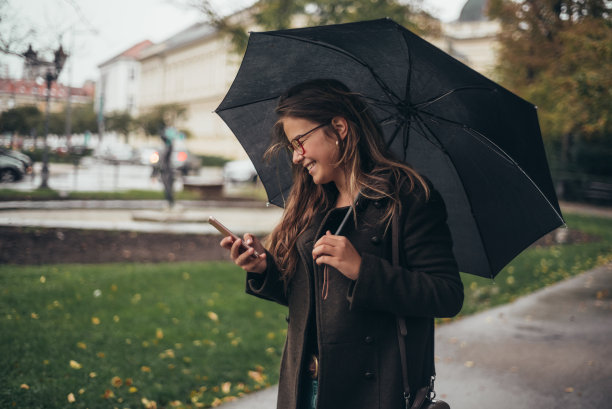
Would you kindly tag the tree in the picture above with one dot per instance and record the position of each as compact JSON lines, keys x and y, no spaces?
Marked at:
{"x":120,"y":122}
{"x":558,"y":55}
{"x":24,"y":120}
{"x":161,"y":116}
{"x":280,"y":14}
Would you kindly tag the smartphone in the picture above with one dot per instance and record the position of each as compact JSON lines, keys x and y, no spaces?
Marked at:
{"x":227,"y":232}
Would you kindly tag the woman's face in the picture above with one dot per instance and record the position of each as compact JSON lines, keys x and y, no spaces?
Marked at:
{"x":320,"y":151}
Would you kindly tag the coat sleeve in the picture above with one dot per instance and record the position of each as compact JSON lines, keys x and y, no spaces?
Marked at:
{"x":267,"y":285}
{"x":428,"y":282}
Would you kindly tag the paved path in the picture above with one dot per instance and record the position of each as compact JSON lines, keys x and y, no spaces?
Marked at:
{"x":550,"y":349}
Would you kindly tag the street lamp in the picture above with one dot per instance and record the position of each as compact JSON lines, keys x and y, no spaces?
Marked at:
{"x":50,"y":71}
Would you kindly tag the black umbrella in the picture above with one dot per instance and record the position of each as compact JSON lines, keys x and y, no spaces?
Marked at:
{"x":477,"y":142}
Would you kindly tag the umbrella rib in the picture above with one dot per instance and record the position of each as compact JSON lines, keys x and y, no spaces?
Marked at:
{"x":246,"y":103}
{"x":498,"y":151}
{"x":452,"y":91}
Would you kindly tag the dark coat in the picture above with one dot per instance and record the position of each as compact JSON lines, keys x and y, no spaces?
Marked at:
{"x":356,"y":324}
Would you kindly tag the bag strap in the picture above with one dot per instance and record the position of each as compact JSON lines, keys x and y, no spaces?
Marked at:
{"x":402,"y":331}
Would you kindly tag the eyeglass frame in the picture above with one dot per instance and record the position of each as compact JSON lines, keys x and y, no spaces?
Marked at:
{"x":292,"y":144}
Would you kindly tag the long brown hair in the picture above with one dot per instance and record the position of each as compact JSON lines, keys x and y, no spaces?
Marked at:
{"x":364,"y":157}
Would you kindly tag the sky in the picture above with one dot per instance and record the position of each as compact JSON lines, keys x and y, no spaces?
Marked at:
{"x":94,"y":31}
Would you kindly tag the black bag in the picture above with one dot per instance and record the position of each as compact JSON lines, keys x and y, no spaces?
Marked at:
{"x":425,"y":397}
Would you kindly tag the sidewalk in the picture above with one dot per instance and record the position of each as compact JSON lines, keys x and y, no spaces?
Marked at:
{"x":550,"y":349}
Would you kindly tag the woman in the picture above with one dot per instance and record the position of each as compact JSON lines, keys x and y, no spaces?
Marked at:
{"x":343,"y":292}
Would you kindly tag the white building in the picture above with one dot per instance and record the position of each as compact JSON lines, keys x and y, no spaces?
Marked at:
{"x":117,"y":89}
{"x":193,"y":68}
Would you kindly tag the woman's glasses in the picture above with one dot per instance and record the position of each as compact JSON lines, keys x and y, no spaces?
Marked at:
{"x":298,"y":146}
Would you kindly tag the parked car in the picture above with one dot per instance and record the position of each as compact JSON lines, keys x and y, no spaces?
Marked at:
{"x":239,"y":171}
{"x":11,"y":169}
{"x":22,"y":157}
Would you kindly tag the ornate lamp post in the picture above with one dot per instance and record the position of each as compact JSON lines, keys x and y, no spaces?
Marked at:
{"x":50,"y":71}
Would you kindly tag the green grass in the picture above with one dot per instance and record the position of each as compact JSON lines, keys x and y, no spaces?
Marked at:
{"x":150,"y":327}
{"x":172,"y":332}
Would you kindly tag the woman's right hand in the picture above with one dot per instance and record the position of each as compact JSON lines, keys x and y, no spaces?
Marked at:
{"x":246,"y":259}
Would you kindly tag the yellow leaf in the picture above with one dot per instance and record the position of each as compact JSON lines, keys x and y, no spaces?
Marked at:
{"x":71,"y":398}
{"x":81,"y":391}
{"x":24,"y":386}
{"x":145,"y":368}
{"x":116,"y":381}
{"x":216,"y":402}
{"x":82,"y":345}
{"x":256,"y":376}
{"x":115,"y":318}
{"x":159,"y":334}
{"x":108,"y":394}
{"x":100,"y":354}
{"x":75,"y":365}
{"x":43,"y":279}
{"x":259,"y":314}
{"x":34,"y":316}
{"x":93,"y":374}
{"x":271,"y":335}
{"x":95,"y":320}
{"x":114,"y":287}
{"x":225,"y":388}
{"x":213,"y":316}
{"x":133,"y":389}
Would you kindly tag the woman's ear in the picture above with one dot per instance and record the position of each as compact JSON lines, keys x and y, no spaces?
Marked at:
{"x":340,"y":125}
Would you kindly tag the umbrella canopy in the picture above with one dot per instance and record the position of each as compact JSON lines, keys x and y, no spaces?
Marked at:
{"x":477,"y":142}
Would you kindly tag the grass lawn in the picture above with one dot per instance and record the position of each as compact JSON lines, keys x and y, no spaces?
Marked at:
{"x":123,"y":334}
{"x":185,"y":334}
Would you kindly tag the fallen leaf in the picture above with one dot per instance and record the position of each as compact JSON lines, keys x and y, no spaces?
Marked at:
{"x":93,"y":374}
{"x":115,"y":318}
{"x":213,"y":316}
{"x":81,"y":391}
{"x":43,"y":279}
{"x":108,"y":394}
{"x":75,"y":365}
{"x":24,"y":386}
{"x":159,"y":334}
{"x":216,"y":402}
{"x":100,"y":355}
{"x":82,"y":345}
{"x":95,"y":320}
{"x":226,"y":387}
{"x":569,"y":389}
{"x":128,"y":382}
{"x":259,"y":314}
{"x":34,"y":316}
{"x":133,"y":389}
{"x":116,"y":381}
{"x":469,"y":364}
{"x":71,"y":398}
{"x":256,"y":376}
{"x":145,"y":368}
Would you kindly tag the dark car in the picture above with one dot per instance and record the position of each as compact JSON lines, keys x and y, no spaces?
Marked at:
{"x":14,"y":165}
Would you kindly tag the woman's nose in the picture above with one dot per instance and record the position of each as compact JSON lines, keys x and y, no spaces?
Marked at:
{"x":297,"y":157}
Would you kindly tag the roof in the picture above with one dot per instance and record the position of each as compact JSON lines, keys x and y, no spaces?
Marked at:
{"x":133,"y":52}
{"x":196,"y":32}
{"x":474,"y":10}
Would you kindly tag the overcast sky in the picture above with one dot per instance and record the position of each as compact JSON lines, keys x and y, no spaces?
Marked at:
{"x":93,"y":31}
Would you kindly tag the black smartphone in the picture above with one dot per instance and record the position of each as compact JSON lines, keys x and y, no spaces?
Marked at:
{"x":227,"y":232}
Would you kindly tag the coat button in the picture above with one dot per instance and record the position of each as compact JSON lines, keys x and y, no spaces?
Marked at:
{"x":369,"y":375}
{"x":369,"y":339}
{"x":375,"y":239}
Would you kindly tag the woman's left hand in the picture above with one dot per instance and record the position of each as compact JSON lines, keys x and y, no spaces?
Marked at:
{"x":338,"y":252}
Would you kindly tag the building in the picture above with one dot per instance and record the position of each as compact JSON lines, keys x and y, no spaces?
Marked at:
{"x":15,"y":93}
{"x":193,"y":68}
{"x":117,"y":89}
{"x":472,"y":38}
